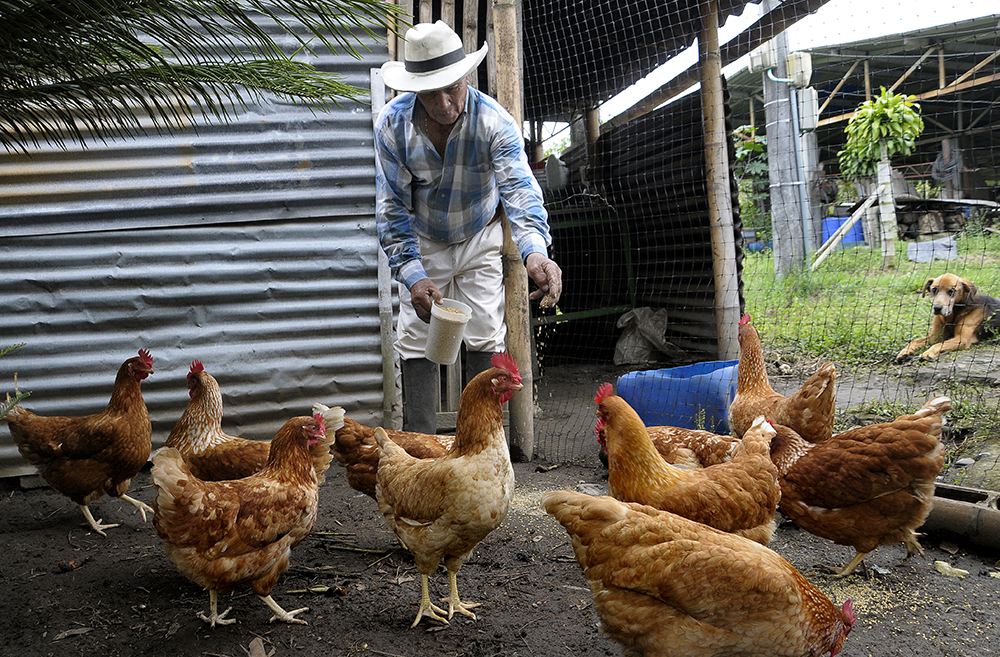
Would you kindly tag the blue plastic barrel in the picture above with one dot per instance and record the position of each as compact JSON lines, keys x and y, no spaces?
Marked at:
{"x":677,"y":396}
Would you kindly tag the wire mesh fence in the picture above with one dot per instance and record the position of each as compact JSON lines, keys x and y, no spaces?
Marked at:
{"x":830,"y":266}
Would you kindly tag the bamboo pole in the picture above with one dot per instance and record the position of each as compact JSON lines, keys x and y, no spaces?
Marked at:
{"x":720,"y":208}
{"x":837,"y":88}
{"x":508,"y":69}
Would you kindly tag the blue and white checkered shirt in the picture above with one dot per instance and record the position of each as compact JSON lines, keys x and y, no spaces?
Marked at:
{"x":450,"y":200}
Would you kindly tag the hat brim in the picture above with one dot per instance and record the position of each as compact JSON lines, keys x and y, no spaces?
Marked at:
{"x":395,"y":75}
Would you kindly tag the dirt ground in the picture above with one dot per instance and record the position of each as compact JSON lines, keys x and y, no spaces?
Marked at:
{"x":72,"y":592}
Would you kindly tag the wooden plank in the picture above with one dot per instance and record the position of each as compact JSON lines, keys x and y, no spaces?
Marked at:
{"x":837,"y":88}
{"x":915,"y":66}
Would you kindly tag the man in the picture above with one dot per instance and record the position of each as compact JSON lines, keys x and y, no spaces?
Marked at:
{"x":447,"y":158}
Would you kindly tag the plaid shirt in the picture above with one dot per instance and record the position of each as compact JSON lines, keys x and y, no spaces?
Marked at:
{"x":450,"y":200}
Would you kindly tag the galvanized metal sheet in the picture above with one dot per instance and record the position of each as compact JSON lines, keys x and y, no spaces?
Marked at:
{"x":248,"y":246}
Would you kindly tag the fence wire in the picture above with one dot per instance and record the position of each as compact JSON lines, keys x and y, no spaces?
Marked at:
{"x":632,"y":222}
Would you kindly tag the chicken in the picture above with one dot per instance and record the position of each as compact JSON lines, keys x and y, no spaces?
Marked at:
{"x":664,"y":585}
{"x":809,"y":411}
{"x":213,"y":455}
{"x":866,"y":487}
{"x":442,"y":508}
{"x":222,"y":534}
{"x":739,"y":495}
{"x":85,"y":457}
{"x":688,"y":448}
{"x":355,"y":449}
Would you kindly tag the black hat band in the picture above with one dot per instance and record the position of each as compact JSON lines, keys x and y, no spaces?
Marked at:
{"x":435,"y":63}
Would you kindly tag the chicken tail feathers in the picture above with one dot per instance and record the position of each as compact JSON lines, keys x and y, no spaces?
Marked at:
{"x":333,"y":419}
{"x":940,"y":404}
{"x":387,"y":447}
{"x":583,"y":516}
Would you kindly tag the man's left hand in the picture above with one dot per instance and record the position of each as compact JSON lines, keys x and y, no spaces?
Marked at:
{"x":548,"y":276}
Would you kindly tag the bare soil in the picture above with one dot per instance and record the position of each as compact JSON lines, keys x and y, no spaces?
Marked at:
{"x":72,"y":592}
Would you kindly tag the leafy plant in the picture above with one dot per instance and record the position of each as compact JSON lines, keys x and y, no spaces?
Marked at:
{"x":11,"y":402}
{"x":752,"y":177}
{"x":890,"y":119}
{"x":100,"y":66}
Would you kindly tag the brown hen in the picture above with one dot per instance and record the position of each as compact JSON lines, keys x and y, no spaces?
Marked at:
{"x":213,"y":455}
{"x":809,"y":411}
{"x":865,"y":487}
{"x":440,"y":509}
{"x":223,"y":534}
{"x":85,"y":457}
{"x":355,"y":449}
{"x":666,"y":586}
{"x":739,"y":495}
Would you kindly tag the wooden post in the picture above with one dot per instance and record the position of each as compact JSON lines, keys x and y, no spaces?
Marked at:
{"x":508,"y":67}
{"x":720,"y":204}
{"x":886,"y":209}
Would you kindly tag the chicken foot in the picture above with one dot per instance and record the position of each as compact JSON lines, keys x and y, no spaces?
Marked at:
{"x":95,"y":524}
{"x":215,"y":618}
{"x":850,"y":567}
{"x":281,"y":614}
{"x":142,"y":506}
{"x":454,"y":603}
{"x":426,"y":607}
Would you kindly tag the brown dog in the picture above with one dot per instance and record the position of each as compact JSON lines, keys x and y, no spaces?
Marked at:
{"x":962,"y":317}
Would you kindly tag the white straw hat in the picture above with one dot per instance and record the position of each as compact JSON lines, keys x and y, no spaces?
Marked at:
{"x":435,"y":59}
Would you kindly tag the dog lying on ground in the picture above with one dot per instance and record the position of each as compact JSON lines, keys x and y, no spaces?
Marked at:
{"x":962,"y":317}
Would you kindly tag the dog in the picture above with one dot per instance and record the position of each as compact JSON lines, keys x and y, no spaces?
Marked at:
{"x":962,"y":317}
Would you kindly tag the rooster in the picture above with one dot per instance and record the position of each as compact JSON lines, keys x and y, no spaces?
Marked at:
{"x":355,"y":449}
{"x":85,"y":457}
{"x":866,"y":487}
{"x":664,"y":585}
{"x":213,"y":455}
{"x":442,"y":508}
{"x":809,"y":411}
{"x":223,"y":534}
{"x":739,"y":495}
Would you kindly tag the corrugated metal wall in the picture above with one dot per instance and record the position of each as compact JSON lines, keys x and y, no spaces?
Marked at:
{"x":249,"y":246}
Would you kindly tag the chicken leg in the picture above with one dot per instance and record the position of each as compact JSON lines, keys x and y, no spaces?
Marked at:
{"x":850,"y":567}
{"x":142,"y":506}
{"x":454,"y":603}
{"x":215,"y":618}
{"x":281,"y":614}
{"x":426,"y":607}
{"x":95,"y":524}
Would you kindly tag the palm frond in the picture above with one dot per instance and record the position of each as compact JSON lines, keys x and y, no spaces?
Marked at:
{"x":107,"y":68}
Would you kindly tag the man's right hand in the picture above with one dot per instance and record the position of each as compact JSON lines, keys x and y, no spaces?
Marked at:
{"x":423,"y":295}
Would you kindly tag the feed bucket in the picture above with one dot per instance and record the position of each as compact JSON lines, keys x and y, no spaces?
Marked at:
{"x":448,"y":320}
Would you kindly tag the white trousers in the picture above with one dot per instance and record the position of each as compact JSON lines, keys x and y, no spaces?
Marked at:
{"x":470,"y":272}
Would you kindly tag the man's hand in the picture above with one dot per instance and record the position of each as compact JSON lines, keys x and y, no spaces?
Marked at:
{"x":423,"y":295}
{"x":547,"y":275}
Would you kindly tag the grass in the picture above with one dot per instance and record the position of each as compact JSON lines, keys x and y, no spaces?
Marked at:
{"x":850,"y":307}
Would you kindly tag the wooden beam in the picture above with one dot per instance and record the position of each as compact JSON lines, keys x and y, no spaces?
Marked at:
{"x":720,"y":202}
{"x":837,"y":88}
{"x":522,"y":406}
{"x":764,"y":29}
{"x":448,"y":13}
{"x":972,"y":71}
{"x":915,"y":66}
{"x":936,"y":93}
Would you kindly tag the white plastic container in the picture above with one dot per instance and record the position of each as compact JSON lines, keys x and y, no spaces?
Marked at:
{"x":444,"y":339}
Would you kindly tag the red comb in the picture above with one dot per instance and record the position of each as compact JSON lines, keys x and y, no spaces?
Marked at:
{"x":849,"y":611}
{"x":196,"y":367}
{"x":745,"y":319}
{"x":505,"y":361}
{"x":319,"y":420}
{"x":147,"y":359}
{"x":604,"y":392}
